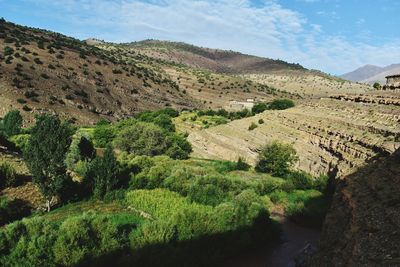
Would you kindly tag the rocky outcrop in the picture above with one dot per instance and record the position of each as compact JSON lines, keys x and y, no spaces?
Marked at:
{"x":362,"y":227}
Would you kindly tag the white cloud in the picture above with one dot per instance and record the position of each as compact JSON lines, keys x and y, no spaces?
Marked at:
{"x":266,"y":29}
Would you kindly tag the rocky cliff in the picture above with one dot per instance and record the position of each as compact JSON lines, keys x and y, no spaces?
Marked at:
{"x":362,"y":227}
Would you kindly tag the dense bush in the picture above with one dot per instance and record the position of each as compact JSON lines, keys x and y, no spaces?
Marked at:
{"x":276,"y":158}
{"x":76,"y":241}
{"x":81,"y":150}
{"x":281,"y":104}
{"x":20,"y":141}
{"x":11,"y":210}
{"x":252,"y":126}
{"x":304,"y":206}
{"x":11,"y":123}
{"x":8,"y":175}
{"x":148,"y":139}
{"x":8,"y":51}
{"x":103,"y":134}
{"x":259,"y":108}
{"x":142,"y":139}
{"x":102,"y":174}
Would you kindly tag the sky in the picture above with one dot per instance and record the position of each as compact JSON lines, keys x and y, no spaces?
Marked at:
{"x":335,"y":36}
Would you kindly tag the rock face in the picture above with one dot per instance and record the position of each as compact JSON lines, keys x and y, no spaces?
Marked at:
{"x":329,"y":135}
{"x":362,"y":227}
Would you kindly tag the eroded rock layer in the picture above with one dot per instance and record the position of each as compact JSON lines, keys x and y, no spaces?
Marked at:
{"x":330,"y":135}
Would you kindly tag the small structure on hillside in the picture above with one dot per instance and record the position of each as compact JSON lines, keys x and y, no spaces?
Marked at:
{"x":240,"y":105}
{"x":392,"y":82}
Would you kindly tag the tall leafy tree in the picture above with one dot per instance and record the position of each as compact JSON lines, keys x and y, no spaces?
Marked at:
{"x":103,"y":173}
{"x":12,"y":123}
{"x":45,"y":156}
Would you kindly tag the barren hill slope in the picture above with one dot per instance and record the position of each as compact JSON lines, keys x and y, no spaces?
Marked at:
{"x":291,"y":78}
{"x":217,"y":60}
{"x":43,"y":71}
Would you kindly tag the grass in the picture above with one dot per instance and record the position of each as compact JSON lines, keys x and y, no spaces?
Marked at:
{"x":306,"y":207}
{"x":74,"y":209}
{"x":189,"y":119}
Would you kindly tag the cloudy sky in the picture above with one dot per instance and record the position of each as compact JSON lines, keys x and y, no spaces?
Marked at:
{"x":334,"y":36}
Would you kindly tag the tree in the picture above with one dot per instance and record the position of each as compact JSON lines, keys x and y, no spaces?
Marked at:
{"x":259,"y":107}
{"x":45,"y":156}
{"x":148,"y":139}
{"x":12,"y":123}
{"x":81,"y":149}
{"x":281,"y":104}
{"x":103,"y":173}
{"x":142,"y":139}
{"x":8,"y":51}
{"x":377,"y":86}
{"x":276,"y":158}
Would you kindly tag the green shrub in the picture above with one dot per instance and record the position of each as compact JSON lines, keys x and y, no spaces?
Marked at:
{"x":143,"y":138}
{"x":259,"y":107}
{"x":276,"y":158}
{"x":8,"y":175}
{"x":103,"y":134}
{"x":210,"y":190}
{"x":304,"y":206}
{"x":151,"y":176}
{"x":80,"y":150}
{"x":281,"y":104}
{"x":301,"y":180}
{"x":20,"y":141}
{"x":241,"y":164}
{"x":102,"y":174}
{"x":252,"y":126}
{"x":8,"y":51}
{"x":11,"y":210}
{"x":83,"y":238}
{"x":12,"y":123}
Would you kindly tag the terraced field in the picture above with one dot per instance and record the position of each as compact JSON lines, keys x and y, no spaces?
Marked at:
{"x":330,"y":135}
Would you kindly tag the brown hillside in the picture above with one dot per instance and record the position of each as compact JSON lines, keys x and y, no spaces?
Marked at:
{"x":42,"y":71}
{"x":217,"y":60}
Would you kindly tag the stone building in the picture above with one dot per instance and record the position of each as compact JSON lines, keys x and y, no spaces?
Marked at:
{"x":240,"y":105}
{"x":392,"y":82}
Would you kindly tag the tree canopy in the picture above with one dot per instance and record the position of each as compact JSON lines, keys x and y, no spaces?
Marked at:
{"x":45,"y":155}
{"x":276,"y":158}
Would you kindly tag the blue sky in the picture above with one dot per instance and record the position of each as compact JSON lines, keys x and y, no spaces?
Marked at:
{"x":334,"y":36}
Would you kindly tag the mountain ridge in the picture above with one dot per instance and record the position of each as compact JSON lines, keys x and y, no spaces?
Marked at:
{"x":371,"y":73}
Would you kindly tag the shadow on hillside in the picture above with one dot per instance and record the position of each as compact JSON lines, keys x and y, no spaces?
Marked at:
{"x":369,"y":201}
{"x":208,"y":250}
{"x":13,"y":210}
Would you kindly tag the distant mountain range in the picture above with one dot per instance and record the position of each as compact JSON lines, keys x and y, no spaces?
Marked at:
{"x":372,"y":73}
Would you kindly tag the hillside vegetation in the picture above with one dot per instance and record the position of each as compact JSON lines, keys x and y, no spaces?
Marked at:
{"x":128,"y":193}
